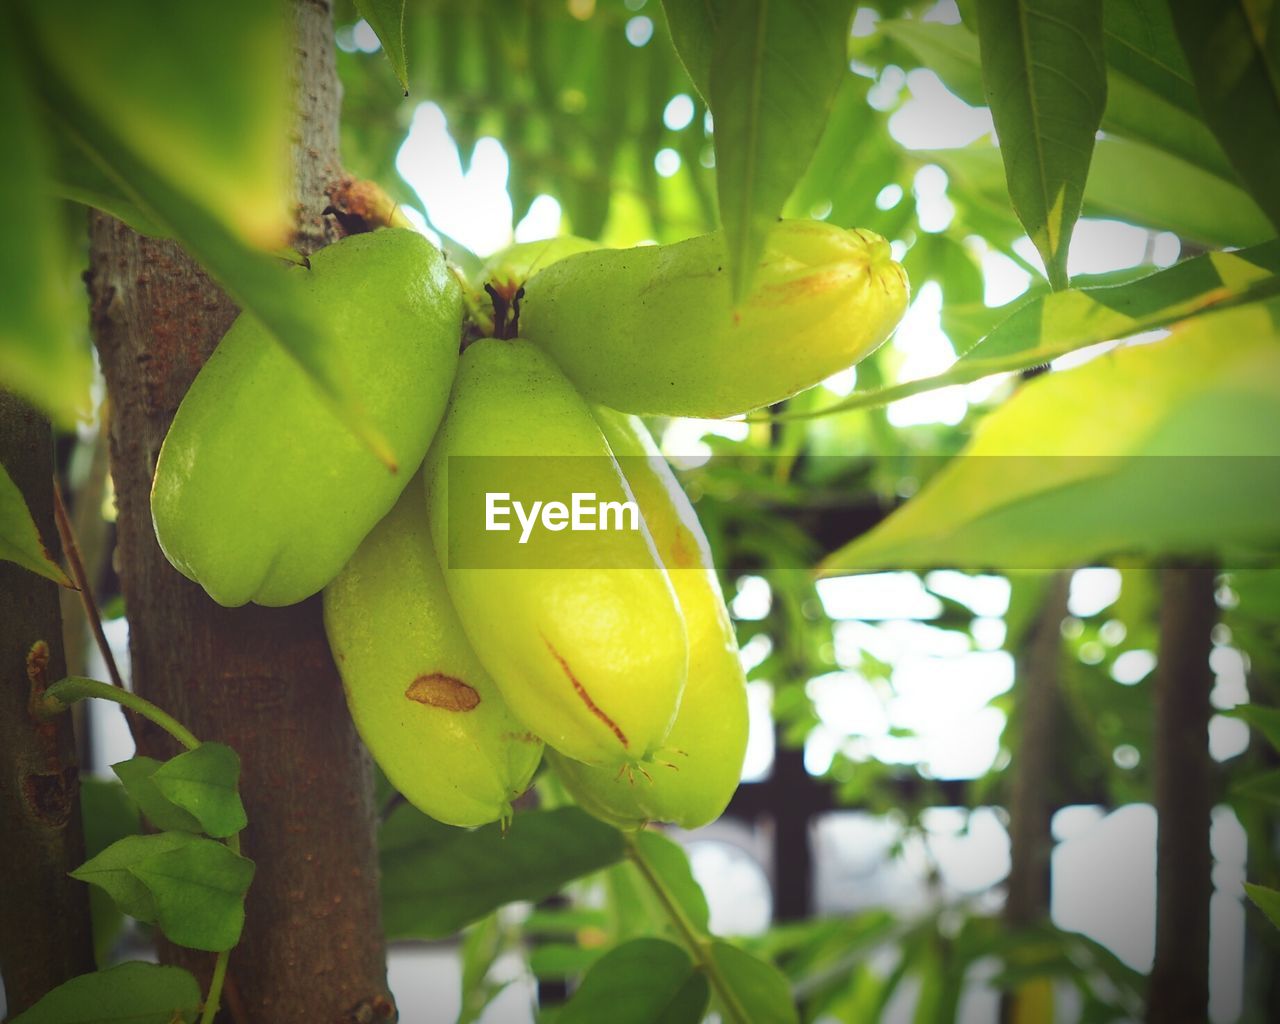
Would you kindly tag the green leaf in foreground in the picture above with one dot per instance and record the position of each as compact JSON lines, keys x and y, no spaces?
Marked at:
{"x":386,"y":18}
{"x":1264,"y":719}
{"x":1235,"y":63}
{"x":759,"y":992}
{"x":43,"y":355}
{"x":775,"y":71}
{"x":435,"y":878}
{"x":1266,"y":900}
{"x":205,"y":782}
{"x":1155,"y":449}
{"x":130,"y":993}
{"x":19,"y":539}
{"x":1049,"y":326}
{"x":666,"y":859}
{"x":1046,"y":83}
{"x":192,"y":887}
{"x":645,"y":981}
{"x":137,"y":774}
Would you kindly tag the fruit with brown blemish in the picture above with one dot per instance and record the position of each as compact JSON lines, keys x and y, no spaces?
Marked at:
{"x":424,"y":705}
{"x":703,"y":754}
{"x":653,"y":329}
{"x":261,"y":493}
{"x":580,"y":630}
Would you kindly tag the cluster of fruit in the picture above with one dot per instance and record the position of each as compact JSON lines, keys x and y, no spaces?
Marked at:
{"x":623,"y":663}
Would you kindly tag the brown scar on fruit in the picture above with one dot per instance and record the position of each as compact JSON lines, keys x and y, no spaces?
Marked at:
{"x":441,"y":691}
{"x":581,"y":691}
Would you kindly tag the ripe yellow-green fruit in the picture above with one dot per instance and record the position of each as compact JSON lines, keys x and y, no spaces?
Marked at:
{"x":653,"y":329}
{"x":426,"y":708}
{"x":707,"y":743}
{"x":580,"y":630}
{"x":261,"y":493}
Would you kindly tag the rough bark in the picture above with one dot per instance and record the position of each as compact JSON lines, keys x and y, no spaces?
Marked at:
{"x":258,"y":679}
{"x":44,"y":924}
{"x":1178,"y":989}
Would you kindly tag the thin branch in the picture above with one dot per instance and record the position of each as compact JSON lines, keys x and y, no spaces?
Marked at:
{"x":76,"y":565}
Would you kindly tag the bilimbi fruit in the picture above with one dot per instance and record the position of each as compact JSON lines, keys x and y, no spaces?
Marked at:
{"x":261,"y":493}
{"x":589,"y":648}
{"x":428,"y":711}
{"x":702,"y":757}
{"x":654,"y":330}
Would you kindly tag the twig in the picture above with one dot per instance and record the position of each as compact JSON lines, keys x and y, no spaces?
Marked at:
{"x":72,"y":550}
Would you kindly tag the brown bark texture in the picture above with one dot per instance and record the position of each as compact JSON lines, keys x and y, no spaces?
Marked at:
{"x":258,"y":679}
{"x":44,"y":915}
{"x":1178,"y":989}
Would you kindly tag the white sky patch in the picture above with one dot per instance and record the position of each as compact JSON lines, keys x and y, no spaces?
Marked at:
{"x":753,"y":600}
{"x":1092,"y":590}
{"x":984,"y":595}
{"x":473,"y":208}
{"x":920,"y":339}
{"x":934,"y":117}
{"x":639,"y":30}
{"x":542,"y":220}
{"x":666,"y":162}
{"x":1131,"y":667}
{"x":758,"y":762}
{"x":934,"y":210}
{"x":682,"y":441}
{"x":883,"y":595}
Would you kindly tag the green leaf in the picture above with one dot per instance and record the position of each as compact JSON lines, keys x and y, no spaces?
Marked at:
{"x":668,"y":861}
{"x":19,"y":539}
{"x":1233,"y":50}
{"x":1135,"y":109}
{"x":43,"y":355}
{"x":1046,"y":83}
{"x":1142,"y":45}
{"x":1049,"y":326}
{"x":108,"y":814}
{"x":137,"y":775}
{"x":129,"y":993}
{"x":758,"y":989}
{"x":693,"y":32}
{"x":645,"y":981}
{"x":435,"y":879}
{"x":1132,"y":453}
{"x":1264,"y":719}
{"x":775,"y":70}
{"x":76,"y":176}
{"x":1263,"y":787}
{"x":386,"y":18}
{"x":192,"y":887}
{"x":205,"y":782}
{"x":201,"y":94}
{"x":1266,"y":900}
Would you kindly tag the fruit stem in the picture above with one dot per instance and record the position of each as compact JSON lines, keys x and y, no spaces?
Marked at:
{"x":698,"y":943}
{"x":62,"y":694}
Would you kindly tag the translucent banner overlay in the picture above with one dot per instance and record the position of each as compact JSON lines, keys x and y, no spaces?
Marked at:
{"x":849,"y":515}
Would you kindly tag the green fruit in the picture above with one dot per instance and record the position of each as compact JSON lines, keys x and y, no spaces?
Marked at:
{"x":582,"y":634}
{"x":507,"y":271}
{"x":429,"y":713}
{"x":708,"y":741}
{"x":261,"y":493}
{"x":653,"y":329}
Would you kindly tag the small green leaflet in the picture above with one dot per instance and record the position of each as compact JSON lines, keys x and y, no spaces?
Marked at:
{"x":129,"y":993}
{"x":205,"y":782}
{"x":192,"y":887}
{"x":644,"y":981}
{"x":757,"y":991}
{"x":1046,"y":84}
{"x":436,"y":879}
{"x":386,"y":18}
{"x":1266,"y":900}
{"x":137,"y":775}
{"x":19,"y":539}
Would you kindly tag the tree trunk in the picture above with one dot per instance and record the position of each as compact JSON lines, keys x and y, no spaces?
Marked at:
{"x":258,"y":679}
{"x":44,"y":924}
{"x":1178,"y":990}
{"x":1039,"y":708}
